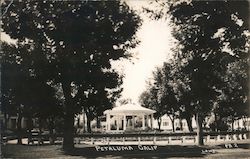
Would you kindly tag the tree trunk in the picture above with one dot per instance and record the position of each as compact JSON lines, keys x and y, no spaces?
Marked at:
{"x":29,"y":126}
{"x":238,"y":124}
{"x":40,"y":131}
{"x":173,"y":127}
{"x":5,"y":121}
{"x":83,"y":121}
{"x":216,"y":122}
{"x":244,"y":123}
{"x":68,"y":134}
{"x":232,"y":124}
{"x":78,"y":122}
{"x":89,"y":117}
{"x":51,"y":131}
{"x":19,"y":128}
{"x":189,"y":124}
{"x":199,"y":129}
{"x":159,"y":123}
{"x":172,"y":122}
{"x":89,"y":125}
{"x":181,"y":126}
{"x":98,"y":122}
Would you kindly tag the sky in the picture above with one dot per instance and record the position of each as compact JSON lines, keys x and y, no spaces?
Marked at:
{"x":152,"y":51}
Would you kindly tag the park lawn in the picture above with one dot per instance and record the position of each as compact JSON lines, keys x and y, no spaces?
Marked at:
{"x":28,"y":151}
{"x":55,"y":151}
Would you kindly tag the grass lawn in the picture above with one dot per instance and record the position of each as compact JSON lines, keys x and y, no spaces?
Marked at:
{"x":28,"y":151}
{"x":169,"y":151}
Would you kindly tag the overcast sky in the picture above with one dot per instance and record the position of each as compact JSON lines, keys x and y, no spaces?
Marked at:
{"x":153,"y":50}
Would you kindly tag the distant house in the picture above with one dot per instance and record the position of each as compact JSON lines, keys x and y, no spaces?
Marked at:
{"x":166,"y":124}
{"x":241,"y":124}
{"x":126,"y":118}
{"x":12,"y":123}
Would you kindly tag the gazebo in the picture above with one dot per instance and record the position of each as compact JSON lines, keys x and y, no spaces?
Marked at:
{"x":129,"y":117}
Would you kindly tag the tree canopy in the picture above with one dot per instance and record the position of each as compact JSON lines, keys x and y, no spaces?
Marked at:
{"x":212,"y":43}
{"x":72,"y":43}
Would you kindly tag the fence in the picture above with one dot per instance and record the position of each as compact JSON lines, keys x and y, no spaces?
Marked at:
{"x":159,"y":138}
{"x":136,"y":138}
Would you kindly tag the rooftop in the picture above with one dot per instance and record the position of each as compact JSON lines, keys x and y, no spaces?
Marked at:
{"x":130,"y":109}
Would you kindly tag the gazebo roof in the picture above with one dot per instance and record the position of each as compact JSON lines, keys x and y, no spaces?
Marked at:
{"x":130,"y":109}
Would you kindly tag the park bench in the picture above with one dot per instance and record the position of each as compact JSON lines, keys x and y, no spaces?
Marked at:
{"x":40,"y":139}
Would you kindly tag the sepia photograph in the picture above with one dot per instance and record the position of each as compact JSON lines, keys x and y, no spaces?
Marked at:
{"x":121,"y":79}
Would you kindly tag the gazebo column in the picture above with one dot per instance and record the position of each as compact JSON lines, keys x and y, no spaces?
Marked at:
{"x":117,"y":122}
{"x":151,"y":121}
{"x":143,"y":122}
{"x":108,"y":122}
{"x":124,"y":122}
{"x":147,"y":117}
{"x":133,"y":121}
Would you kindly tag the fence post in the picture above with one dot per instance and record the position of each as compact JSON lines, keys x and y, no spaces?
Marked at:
{"x":183,"y":139}
{"x":169,"y":139}
{"x":76,"y":140}
{"x":240,"y":137}
{"x":235,"y":137}
{"x":196,"y":139}
{"x":218,"y":138}
{"x":108,"y":140}
{"x":123,"y":140}
{"x":139,"y":140}
{"x":208,"y":138}
{"x":245,"y":136}
{"x":154,"y":140}
{"x":92,"y":140}
{"x":227,"y":137}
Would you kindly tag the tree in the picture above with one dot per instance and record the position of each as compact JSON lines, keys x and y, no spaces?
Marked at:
{"x":182,"y":93}
{"x":234,"y":98}
{"x":149,"y":99}
{"x":167,"y":95}
{"x":160,"y":95}
{"x":208,"y":32}
{"x":98,"y":99}
{"x":73,"y":40}
{"x":210,"y":35}
{"x":24,"y":93}
{"x":46,"y":107}
{"x":17,"y":94}
{"x":10,"y":72}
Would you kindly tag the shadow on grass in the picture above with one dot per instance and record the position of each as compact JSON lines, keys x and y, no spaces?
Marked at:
{"x":133,"y":151}
{"x":30,"y":151}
